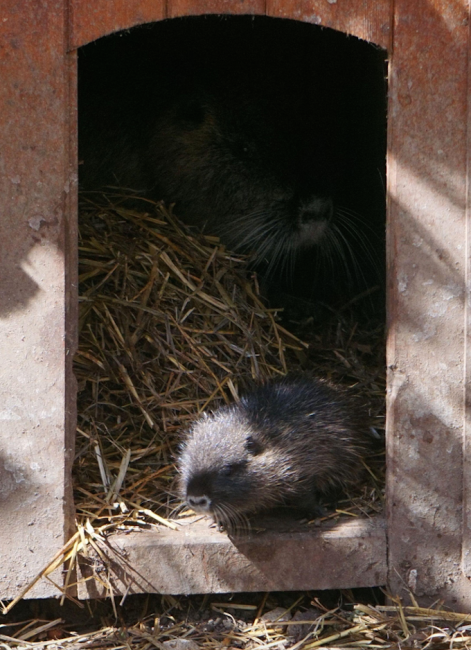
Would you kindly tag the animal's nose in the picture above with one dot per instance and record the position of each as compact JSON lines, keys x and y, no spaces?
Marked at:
{"x":316,"y":209}
{"x":198,"y":502}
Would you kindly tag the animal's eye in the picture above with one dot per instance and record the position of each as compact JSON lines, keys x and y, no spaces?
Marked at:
{"x":232,"y":469}
{"x":242,"y":149}
{"x":227,"y":470}
{"x":253,"y":447}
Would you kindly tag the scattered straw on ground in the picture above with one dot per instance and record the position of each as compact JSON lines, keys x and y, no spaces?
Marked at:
{"x":257,"y":621}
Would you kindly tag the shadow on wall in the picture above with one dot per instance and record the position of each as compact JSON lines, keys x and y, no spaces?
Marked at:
{"x":35,"y":178}
{"x":15,"y":486}
{"x":17,"y":284}
{"x":427,"y":269}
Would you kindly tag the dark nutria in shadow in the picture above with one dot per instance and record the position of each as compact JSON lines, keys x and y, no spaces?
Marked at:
{"x":268,"y":133}
{"x":289,"y":441}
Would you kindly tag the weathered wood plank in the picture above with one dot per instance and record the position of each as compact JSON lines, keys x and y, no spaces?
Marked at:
{"x":38,"y":291}
{"x":196,"y":8}
{"x":199,"y":559}
{"x":466,"y":549}
{"x":91,"y":19}
{"x":427,"y":290}
{"x":367,"y":19}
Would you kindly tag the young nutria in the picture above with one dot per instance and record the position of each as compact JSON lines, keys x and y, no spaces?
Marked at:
{"x":288,"y":441}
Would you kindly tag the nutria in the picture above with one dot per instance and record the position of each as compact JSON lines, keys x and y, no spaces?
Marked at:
{"x":288,"y":441}
{"x":265,"y":132}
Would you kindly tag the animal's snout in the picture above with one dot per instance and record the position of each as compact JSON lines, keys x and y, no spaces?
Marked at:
{"x":316,"y":209}
{"x":199,"y":502}
{"x":314,"y":217}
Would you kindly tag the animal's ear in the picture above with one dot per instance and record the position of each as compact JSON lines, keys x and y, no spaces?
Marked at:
{"x":253,"y":446}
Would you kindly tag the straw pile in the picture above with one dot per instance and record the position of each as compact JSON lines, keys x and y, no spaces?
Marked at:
{"x":303,"y":622}
{"x":169,"y":325}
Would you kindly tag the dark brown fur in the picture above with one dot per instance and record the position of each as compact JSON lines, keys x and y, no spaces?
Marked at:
{"x":268,"y":133}
{"x":289,"y":441}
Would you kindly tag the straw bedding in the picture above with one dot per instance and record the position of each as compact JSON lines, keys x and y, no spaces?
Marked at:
{"x":172,"y":324}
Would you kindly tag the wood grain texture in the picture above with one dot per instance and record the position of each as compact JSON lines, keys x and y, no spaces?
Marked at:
{"x":427,"y":179}
{"x":38,"y":292}
{"x":91,"y":19}
{"x":198,"y":559}
{"x":195,"y":8}
{"x":367,"y":19}
{"x":466,"y":547}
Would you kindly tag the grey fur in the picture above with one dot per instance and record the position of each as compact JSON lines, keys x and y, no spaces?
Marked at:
{"x":286,"y":442}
